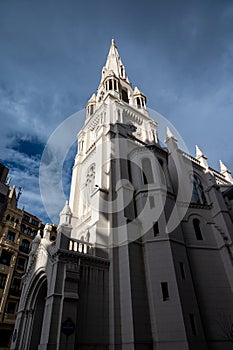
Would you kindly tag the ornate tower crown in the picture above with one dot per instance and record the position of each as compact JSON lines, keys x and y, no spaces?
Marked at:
{"x":115,"y":82}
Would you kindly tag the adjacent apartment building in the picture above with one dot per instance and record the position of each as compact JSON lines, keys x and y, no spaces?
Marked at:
{"x":17,"y":230}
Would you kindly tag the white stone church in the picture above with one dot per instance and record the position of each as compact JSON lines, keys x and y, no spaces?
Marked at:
{"x":143,"y":257}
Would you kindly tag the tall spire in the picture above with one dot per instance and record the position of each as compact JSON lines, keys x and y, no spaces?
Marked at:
{"x":114,"y":62}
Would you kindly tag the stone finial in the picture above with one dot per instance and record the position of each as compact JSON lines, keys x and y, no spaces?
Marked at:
{"x":202,"y":158}
{"x":170,"y":135}
{"x":225,"y":171}
{"x":137,"y":91}
{"x":199,"y":153}
{"x":223,"y":167}
{"x":92,"y":99}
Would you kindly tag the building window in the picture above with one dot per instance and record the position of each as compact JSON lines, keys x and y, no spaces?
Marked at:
{"x":21,"y":264}
{"x":125,"y":95}
{"x":5,"y":258}
{"x":156,"y":228}
{"x":110,"y":84}
{"x":8,"y":217}
{"x":15,"y":287}
{"x":147,"y":171}
{"x":26,"y":218}
{"x":25,"y":244}
{"x":11,"y":306}
{"x":91,"y":109}
{"x":2,"y":280}
{"x":138,"y":102}
{"x":28,"y":231}
{"x":197,"y":229}
{"x":22,"y":228}
{"x":193,"y":324}
{"x":35,"y":223}
{"x":11,"y":236}
{"x":198,"y":191}
{"x":182,"y":271}
{"x":165,"y":292}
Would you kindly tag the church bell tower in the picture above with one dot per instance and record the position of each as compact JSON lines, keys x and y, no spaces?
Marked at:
{"x":116,"y":116}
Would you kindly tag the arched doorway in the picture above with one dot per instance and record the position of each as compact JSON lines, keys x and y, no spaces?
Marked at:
{"x":38,"y":315}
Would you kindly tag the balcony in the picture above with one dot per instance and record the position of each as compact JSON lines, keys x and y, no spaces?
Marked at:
{"x":9,"y":243}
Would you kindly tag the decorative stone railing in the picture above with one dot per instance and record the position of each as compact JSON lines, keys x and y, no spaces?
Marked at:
{"x":78,"y":246}
{"x":188,"y":156}
{"x":220,"y":178}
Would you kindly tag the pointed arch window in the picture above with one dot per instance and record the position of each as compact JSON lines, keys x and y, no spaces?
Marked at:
{"x":115,"y":84}
{"x":197,"y":229}
{"x":91,"y":109}
{"x":125,"y":95}
{"x":147,"y":171}
{"x":198,"y":191}
{"x":110,"y":84}
{"x":138,"y":102}
{"x":122,"y":72}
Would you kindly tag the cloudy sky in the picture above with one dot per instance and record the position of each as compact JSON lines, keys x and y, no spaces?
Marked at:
{"x":179,"y":53}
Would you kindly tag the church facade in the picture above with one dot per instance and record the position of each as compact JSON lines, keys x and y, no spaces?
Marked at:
{"x":143,"y":257}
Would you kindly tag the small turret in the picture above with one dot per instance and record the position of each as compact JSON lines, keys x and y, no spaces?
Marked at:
{"x":91,"y":105}
{"x":65,"y":215}
{"x":139,"y":98}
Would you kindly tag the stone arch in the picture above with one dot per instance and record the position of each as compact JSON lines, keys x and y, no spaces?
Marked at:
{"x":33,"y":304}
{"x":198,"y":216}
{"x":38,"y":316}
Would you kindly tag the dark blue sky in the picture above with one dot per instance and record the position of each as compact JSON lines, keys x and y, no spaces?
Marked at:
{"x":179,"y":53}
